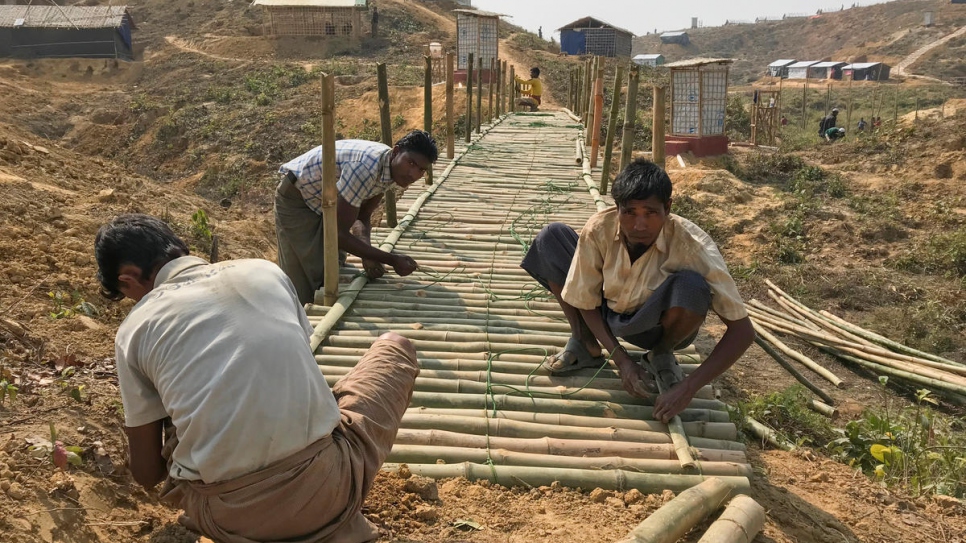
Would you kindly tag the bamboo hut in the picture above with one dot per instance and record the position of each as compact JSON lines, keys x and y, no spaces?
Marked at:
{"x":590,"y":36}
{"x":44,"y":31}
{"x":328,"y":18}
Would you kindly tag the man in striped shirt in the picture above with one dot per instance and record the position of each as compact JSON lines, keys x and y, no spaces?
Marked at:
{"x":365,"y":169}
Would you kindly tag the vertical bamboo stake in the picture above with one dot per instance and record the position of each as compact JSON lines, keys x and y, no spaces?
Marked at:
{"x":630,"y":116}
{"x":513,"y":89}
{"x":611,"y":128}
{"x":450,"y":132}
{"x":804,"y":98}
{"x":499,"y":88}
{"x":848,"y":112}
{"x":428,"y":108}
{"x":330,"y":195}
{"x":586,"y":93}
{"x":570,"y":92}
{"x":386,"y":125}
{"x":489,"y":89}
{"x":657,"y":130}
{"x":479,"y":94}
{"x":591,"y":94}
{"x":507,"y":87}
{"x":578,"y":85}
{"x":917,"y":106}
{"x":754,"y":121}
{"x":895,"y":113}
{"x":598,"y":115}
{"x":828,"y":97}
{"x":469,"y":96}
{"x":780,"y":104}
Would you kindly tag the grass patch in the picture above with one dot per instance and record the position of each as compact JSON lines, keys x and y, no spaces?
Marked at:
{"x":788,"y":414}
{"x":943,"y":253}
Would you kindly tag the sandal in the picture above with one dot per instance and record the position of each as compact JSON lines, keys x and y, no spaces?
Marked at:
{"x":665,"y":368}
{"x":572,"y":358}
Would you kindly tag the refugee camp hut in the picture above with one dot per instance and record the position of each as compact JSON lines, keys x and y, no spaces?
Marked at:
{"x":590,"y":36}
{"x":827,"y":70}
{"x":799,"y":70}
{"x":699,"y":97}
{"x":648,"y":60}
{"x":50,"y":31}
{"x":330,"y":18}
{"x":477,"y":32}
{"x":680,"y":38}
{"x":866,"y":71}
{"x":779,"y":68}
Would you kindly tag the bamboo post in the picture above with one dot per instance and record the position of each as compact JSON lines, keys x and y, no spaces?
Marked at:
{"x":428,"y":108}
{"x":611,"y":128}
{"x":578,"y":86}
{"x":657,"y":131}
{"x":513,"y":89}
{"x":450,"y":114}
{"x":598,"y":114}
{"x":848,"y":112}
{"x":895,"y":113}
{"x":804,"y":98}
{"x":739,"y":523}
{"x":507,"y":86}
{"x":479,"y":94}
{"x":917,"y":107}
{"x":386,"y":125}
{"x":570,"y":92}
{"x":678,"y":516}
{"x":806,"y":361}
{"x":489,"y":89}
{"x":586,"y":93}
{"x":823,"y":408}
{"x":828,"y":97}
{"x":630,"y":116}
{"x":754,"y":121}
{"x":767,"y":435}
{"x":330,"y":194}
{"x":791,"y":369}
{"x":469,"y":96}
{"x":591,"y":105}
{"x":499,"y":88}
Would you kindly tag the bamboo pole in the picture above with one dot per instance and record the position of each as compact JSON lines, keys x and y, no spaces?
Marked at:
{"x":806,"y":361}
{"x":598,"y":114}
{"x":513,"y":89}
{"x":585,"y":96}
{"x":804,"y":100}
{"x":611,"y":129}
{"x":385,"y":123}
{"x":657,"y":131}
{"x":489,"y":89}
{"x":740,"y":522}
{"x":330,"y":193}
{"x":469,"y":96}
{"x":630,"y":117}
{"x":506,"y":86}
{"x":767,"y":435}
{"x":579,"y":153}
{"x":428,"y":108}
{"x":882,"y":340}
{"x":499,"y":88}
{"x":678,"y":516}
{"x":591,"y":97}
{"x":479,"y":94}
{"x":450,"y":114}
{"x":415,"y":454}
{"x":791,"y":369}
{"x":902,"y":374}
{"x":823,"y":408}
{"x":579,"y":84}
{"x":511,"y":476}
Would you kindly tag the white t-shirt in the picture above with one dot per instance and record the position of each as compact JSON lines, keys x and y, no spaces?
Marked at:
{"x":223,"y":349}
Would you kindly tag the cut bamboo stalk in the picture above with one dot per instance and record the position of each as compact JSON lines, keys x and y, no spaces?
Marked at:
{"x":385,"y":124}
{"x":330,"y":194}
{"x":882,"y":340}
{"x":907,"y":375}
{"x":510,"y":476}
{"x":579,"y":155}
{"x":497,"y":427}
{"x":657,"y":127}
{"x":711,"y":430}
{"x":415,"y":454}
{"x":428,"y":108}
{"x":678,"y":516}
{"x":450,"y":113}
{"x":502,"y":402}
{"x":682,"y":445}
{"x":757,"y":308}
{"x":598,"y":114}
{"x":766,"y":434}
{"x":479,"y":94}
{"x":823,"y":408}
{"x":630,"y":116}
{"x":740,"y":522}
{"x":555,"y":446}
{"x":815,"y":320}
{"x":791,"y":369}
{"x":806,"y":361}
{"x":611,"y":129}
{"x":469,"y":97}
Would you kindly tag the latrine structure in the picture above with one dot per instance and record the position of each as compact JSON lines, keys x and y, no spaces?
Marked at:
{"x":326,"y":18}
{"x":699,"y":98}
{"x":477,"y":32}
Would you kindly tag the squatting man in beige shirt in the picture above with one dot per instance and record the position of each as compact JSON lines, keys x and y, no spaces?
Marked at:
{"x":224,"y":401}
{"x":643,"y":274}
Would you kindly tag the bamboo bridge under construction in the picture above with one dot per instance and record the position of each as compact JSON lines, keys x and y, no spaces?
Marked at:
{"x":483,"y":407}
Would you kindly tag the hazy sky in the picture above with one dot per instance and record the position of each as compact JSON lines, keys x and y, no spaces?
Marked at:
{"x":643,"y":16}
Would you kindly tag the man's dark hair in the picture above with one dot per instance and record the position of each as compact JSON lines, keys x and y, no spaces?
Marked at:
{"x":139,"y":240}
{"x":534,"y":72}
{"x":419,"y":141}
{"x":640,"y":180}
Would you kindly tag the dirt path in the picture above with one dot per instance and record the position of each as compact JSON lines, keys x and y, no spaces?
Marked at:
{"x":187,"y":46}
{"x":918,"y":53}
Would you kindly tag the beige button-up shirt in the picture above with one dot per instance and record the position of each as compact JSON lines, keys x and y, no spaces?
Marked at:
{"x":603,"y":265}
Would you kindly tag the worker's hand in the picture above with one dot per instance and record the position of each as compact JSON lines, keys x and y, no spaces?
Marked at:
{"x":404,"y":265}
{"x":374,"y":269}
{"x":671,"y":403}
{"x":635,"y":380}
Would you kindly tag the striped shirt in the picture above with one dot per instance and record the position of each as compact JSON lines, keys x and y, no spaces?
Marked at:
{"x":362,"y":167}
{"x":602,"y":265}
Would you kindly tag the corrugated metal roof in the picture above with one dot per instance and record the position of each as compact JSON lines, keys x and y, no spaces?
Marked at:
{"x":860,"y":65}
{"x":479,"y":13}
{"x":782,"y":63}
{"x":649,"y":56}
{"x":63,"y":16}
{"x":314,"y":3}
{"x":698,"y":62}
{"x":672,"y":34}
{"x":831,"y":64}
{"x":804,"y":64}
{"x":591,"y":22}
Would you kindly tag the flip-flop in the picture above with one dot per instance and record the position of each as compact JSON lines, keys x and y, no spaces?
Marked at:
{"x":665,"y":368}
{"x":582,"y":359}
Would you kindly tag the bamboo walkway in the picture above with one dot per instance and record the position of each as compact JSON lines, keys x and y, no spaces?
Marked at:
{"x":483,"y":408}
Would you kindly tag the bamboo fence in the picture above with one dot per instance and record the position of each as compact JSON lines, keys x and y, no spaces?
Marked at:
{"x":482,"y":327}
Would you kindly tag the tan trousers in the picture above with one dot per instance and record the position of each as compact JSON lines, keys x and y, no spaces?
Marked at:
{"x":300,"y":241}
{"x":315,"y":495}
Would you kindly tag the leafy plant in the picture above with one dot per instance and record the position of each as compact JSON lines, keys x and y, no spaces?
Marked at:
{"x":200,"y":226}
{"x":67,"y":305}
{"x":7,"y":388}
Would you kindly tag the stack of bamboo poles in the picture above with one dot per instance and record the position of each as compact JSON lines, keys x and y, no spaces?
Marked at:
{"x":481,"y":326}
{"x":852,"y":344}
